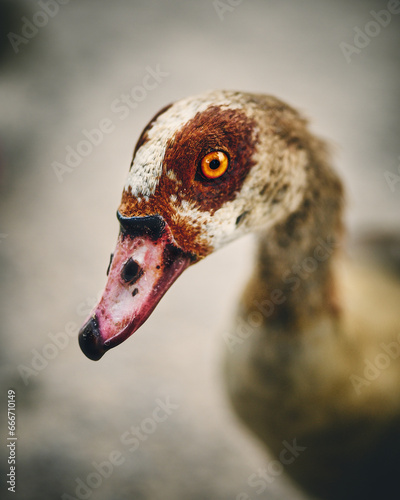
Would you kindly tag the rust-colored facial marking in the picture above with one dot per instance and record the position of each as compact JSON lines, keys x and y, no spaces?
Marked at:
{"x":183,"y":183}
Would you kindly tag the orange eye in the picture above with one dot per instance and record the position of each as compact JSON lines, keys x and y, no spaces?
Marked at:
{"x":214,"y":164}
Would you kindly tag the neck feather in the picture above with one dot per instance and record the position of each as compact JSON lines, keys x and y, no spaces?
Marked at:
{"x":293,"y":283}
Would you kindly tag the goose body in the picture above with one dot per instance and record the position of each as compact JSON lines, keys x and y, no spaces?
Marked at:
{"x":313,"y":356}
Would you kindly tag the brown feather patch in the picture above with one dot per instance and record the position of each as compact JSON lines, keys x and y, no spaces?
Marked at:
{"x":216,"y":128}
{"x":228,"y":130}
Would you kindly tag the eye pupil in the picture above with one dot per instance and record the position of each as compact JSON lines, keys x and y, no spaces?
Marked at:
{"x":214,"y":164}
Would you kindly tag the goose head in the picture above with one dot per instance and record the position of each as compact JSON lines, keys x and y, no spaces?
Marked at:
{"x":205,"y":171}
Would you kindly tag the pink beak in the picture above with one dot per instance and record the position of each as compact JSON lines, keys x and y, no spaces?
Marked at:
{"x":145,"y":264}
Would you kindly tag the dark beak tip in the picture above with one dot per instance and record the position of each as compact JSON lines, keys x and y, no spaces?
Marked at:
{"x":90,"y":342}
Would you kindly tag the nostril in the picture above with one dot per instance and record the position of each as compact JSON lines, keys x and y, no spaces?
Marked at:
{"x":131,"y":271}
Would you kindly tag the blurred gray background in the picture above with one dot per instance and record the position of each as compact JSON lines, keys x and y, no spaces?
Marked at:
{"x":56,"y":235}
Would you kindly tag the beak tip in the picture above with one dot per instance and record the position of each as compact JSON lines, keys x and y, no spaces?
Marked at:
{"x":90,"y":341}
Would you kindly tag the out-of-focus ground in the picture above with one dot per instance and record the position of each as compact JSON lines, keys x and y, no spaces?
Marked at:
{"x":55,"y":237}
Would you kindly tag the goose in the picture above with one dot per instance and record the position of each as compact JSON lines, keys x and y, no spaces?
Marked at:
{"x":318,"y":365}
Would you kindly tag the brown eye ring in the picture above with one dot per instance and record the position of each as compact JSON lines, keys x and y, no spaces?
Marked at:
{"x":214,"y":164}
